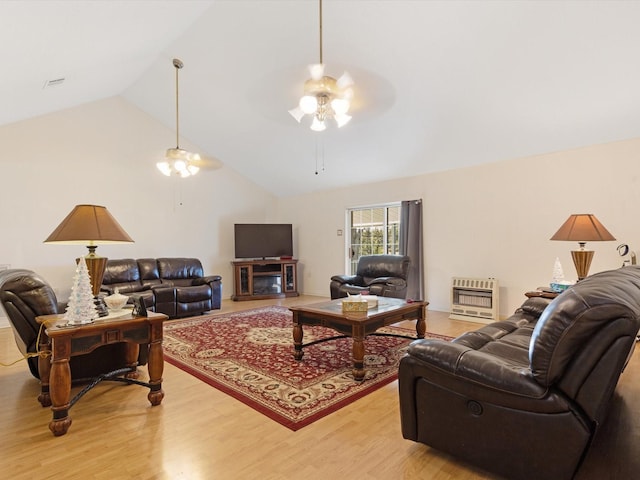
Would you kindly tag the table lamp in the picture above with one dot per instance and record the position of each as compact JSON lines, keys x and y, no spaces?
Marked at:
{"x":90,"y":225}
{"x":582,"y":228}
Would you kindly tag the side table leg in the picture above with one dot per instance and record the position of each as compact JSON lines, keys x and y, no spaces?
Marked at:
{"x":358,"y":358}
{"x":156,"y":365}
{"x":133,"y":349}
{"x":60,"y":387}
{"x":44,"y":370}
{"x":297,"y":340}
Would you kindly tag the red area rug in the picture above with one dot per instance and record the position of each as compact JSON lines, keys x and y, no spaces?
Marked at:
{"x":249,"y":355}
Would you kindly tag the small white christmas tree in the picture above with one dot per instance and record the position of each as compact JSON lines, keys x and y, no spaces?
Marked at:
{"x":81,"y":308}
{"x":558,"y":274}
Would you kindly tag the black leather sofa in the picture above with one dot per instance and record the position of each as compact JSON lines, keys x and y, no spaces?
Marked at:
{"x":382,"y":275}
{"x":524,"y":397}
{"x":25,"y":295}
{"x":176,"y":287}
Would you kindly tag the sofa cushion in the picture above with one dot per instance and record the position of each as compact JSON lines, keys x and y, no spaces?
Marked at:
{"x":149,"y":275}
{"x":121,"y":271}
{"x":179,"y":269}
{"x":124,"y":275}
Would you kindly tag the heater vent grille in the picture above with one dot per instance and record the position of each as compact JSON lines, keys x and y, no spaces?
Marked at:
{"x":474,"y":299}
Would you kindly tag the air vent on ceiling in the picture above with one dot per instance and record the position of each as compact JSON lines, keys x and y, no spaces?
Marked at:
{"x":53,"y":83}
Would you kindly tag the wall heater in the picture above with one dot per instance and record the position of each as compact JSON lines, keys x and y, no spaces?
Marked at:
{"x":474,"y":299}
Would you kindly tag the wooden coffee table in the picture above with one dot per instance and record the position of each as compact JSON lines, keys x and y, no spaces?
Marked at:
{"x":356,"y":325}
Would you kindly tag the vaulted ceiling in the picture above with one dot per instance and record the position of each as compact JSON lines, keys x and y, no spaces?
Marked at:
{"x":438,"y":84}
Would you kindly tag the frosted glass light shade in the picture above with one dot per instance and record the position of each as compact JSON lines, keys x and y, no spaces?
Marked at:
{"x":164,"y":167}
{"x":308,"y":104}
{"x":318,"y":125}
{"x":342,"y":119}
{"x":340,"y":106}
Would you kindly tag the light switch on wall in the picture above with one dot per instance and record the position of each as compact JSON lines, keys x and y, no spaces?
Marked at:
{"x":339,"y":232}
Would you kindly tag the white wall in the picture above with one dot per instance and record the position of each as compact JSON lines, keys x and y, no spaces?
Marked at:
{"x":489,"y":221}
{"x":104,"y":153}
{"x":492,"y":220}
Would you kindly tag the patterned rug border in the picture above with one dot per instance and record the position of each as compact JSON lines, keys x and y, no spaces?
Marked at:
{"x":289,"y":423}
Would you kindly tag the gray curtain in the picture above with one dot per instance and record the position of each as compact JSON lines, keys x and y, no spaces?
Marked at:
{"x":411,"y":245}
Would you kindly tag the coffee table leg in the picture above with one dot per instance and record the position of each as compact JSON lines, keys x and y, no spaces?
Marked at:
{"x":297,"y":339}
{"x":421,"y":324}
{"x":358,"y":358}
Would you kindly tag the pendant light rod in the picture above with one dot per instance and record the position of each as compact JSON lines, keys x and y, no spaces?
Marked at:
{"x":320,"y":2}
{"x":178,"y":64}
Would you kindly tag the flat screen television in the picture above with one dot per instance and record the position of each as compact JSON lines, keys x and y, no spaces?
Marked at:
{"x":263,"y":240}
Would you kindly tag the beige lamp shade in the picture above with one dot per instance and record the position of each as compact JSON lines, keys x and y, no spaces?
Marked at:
{"x":582,"y":228}
{"x":90,"y":225}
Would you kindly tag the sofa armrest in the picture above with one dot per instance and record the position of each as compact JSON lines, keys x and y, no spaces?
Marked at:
{"x":495,"y":375}
{"x":350,"y":279}
{"x":395,"y":282}
{"x":164,"y":299}
{"x":208,"y":279}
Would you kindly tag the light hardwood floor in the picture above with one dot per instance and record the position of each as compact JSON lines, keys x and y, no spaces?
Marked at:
{"x":200,"y":433}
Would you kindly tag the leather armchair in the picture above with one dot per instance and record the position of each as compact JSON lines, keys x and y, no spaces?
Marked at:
{"x":25,"y":296}
{"x":382,"y":275}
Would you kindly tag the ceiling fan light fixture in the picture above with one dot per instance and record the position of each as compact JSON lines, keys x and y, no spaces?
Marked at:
{"x":324,"y":96}
{"x":178,"y":161}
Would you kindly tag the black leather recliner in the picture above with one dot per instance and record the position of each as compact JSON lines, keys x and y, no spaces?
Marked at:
{"x":524,"y":397}
{"x":25,"y":296}
{"x":382,"y":275}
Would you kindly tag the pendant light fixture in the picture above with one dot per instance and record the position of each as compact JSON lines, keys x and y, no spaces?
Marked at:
{"x":178,"y":161}
{"x":324,"y":96}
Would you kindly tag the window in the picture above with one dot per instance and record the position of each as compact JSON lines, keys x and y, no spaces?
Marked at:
{"x":373,"y":231}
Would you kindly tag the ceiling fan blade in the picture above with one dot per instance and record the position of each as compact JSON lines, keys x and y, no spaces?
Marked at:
{"x":206,"y":162}
{"x":344,"y":81}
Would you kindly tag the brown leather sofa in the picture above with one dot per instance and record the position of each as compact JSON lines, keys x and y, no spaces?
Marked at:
{"x":24,"y":296}
{"x":176,"y":287}
{"x":524,"y":397}
{"x":382,"y":275}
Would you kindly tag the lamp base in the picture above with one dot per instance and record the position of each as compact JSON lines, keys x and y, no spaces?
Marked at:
{"x":582,"y":261}
{"x":96,"y":266}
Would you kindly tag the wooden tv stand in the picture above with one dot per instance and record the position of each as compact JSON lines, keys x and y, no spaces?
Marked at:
{"x":269,"y":278}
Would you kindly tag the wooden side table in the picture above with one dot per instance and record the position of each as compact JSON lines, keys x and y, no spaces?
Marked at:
{"x":59,"y":342}
{"x":542,"y":292}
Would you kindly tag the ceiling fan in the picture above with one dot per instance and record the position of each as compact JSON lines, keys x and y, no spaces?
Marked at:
{"x":324,"y":97}
{"x":177,"y":160}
